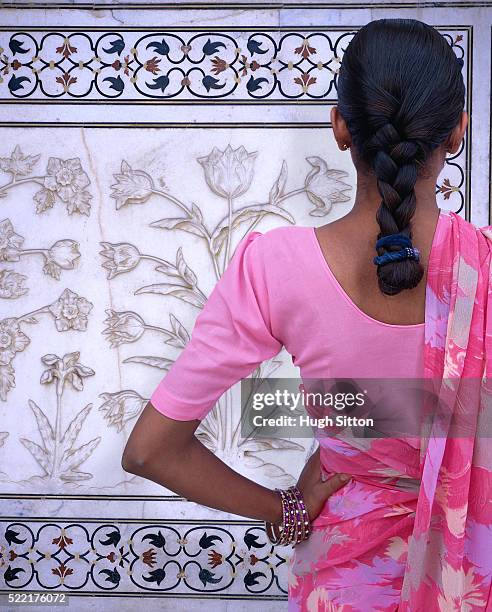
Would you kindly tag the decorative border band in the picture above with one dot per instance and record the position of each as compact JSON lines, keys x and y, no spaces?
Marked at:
{"x":163,"y":558}
{"x":175,"y":65}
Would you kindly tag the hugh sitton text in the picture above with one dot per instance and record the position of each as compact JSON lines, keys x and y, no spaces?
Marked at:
{"x":307,"y":421}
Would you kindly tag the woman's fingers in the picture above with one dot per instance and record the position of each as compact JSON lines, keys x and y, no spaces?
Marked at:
{"x":316,"y":495}
{"x":334,"y":483}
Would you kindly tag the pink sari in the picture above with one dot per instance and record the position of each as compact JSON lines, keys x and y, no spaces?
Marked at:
{"x":412,"y":531}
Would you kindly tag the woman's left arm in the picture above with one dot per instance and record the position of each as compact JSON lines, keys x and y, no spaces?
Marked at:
{"x":167,"y":452}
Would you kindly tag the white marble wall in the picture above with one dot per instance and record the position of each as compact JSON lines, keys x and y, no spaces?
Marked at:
{"x":102,"y":145}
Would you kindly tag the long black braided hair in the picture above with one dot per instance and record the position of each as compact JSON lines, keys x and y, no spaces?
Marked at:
{"x":401,"y":93}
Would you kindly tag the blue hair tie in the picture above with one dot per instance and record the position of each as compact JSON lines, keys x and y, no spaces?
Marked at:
{"x":392,"y":256}
{"x":394,"y":240}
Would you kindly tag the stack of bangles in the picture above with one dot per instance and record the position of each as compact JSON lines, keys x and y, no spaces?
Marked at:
{"x":295,"y":526}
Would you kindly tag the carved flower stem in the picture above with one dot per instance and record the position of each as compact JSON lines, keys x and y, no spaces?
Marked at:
{"x":157,"y":259}
{"x":278,"y":201}
{"x":213,"y":258}
{"x":33,"y":312}
{"x":286,"y":196}
{"x":166,"y":332}
{"x":196,"y":290}
{"x":32,"y":251}
{"x":174,"y":200}
{"x":218,"y":409}
{"x":59,"y":391}
{"x":228,"y":420}
{"x":30,"y":179}
{"x":183,"y":207}
{"x":229,"y":232}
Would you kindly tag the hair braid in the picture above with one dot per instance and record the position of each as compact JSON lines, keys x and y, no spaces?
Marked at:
{"x":395,"y":165}
{"x":401,"y":92}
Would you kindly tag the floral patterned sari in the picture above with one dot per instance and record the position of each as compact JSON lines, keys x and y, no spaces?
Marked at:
{"x":412,"y":531}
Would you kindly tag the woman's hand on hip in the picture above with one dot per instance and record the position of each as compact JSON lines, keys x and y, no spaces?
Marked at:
{"x":316,"y":491}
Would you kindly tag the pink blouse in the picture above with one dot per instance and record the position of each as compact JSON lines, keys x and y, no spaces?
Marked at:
{"x":278,"y":290}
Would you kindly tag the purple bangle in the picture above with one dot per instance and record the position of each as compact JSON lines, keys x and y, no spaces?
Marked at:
{"x":285,"y":528}
{"x":295,"y":525}
{"x":304,"y":516}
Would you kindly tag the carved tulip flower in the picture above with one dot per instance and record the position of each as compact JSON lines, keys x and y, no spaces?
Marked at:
{"x":122,"y":406}
{"x":123,"y":327}
{"x":12,"y":340}
{"x":228,"y":173}
{"x":324,"y":186}
{"x":70,"y":311}
{"x":11,"y":284}
{"x":120,"y":257}
{"x":62,"y":255}
{"x":10,"y":242}
{"x":132,"y":186}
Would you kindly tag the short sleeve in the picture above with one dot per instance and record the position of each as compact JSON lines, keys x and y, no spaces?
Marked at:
{"x":230,"y":338}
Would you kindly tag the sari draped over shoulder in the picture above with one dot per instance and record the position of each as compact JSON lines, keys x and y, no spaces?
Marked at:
{"x":413,"y":529}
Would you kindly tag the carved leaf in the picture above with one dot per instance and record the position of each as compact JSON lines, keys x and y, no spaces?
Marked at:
{"x":73,"y":459}
{"x":83,"y":370}
{"x":29,"y":320}
{"x":162,"y":363}
{"x":19,"y":164}
{"x":184,"y":269}
{"x":268,"y":444}
{"x":71,"y":359}
{"x":39,"y":454}
{"x":277,"y":191}
{"x":50,"y":359}
{"x":51,"y":269}
{"x":252,"y":461}
{"x":183,"y":293}
{"x":208,"y":426}
{"x":207,"y":440}
{"x":75,"y":475}
{"x":187,"y":225}
{"x":270,"y":470}
{"x":7,"y":380}
{"x":248,"y":213}
{"x":278,"y":474}
{"x":197,"y":213}
{"x":75,"y":380}
{"x":167,"y":268}
{"x":179,"y":329}
{"x":44,"y":427}
{"x":72,"y":431}
{"x":44,"y":199}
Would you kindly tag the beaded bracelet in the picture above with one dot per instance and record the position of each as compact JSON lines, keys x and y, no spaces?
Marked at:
{"x":287,"y":526}
{"x":303,"y":515}
{"x":291,"y":537}
{"x":295,"y":526}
